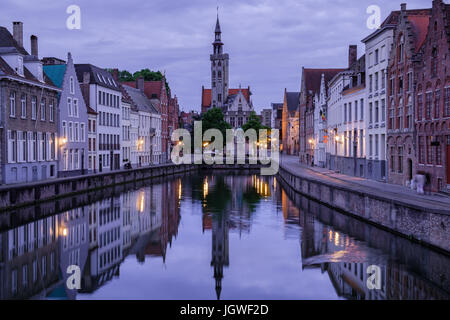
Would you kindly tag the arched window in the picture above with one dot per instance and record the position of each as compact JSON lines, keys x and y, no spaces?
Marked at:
{"x":401,"y":48}
{"x":434,"y":63}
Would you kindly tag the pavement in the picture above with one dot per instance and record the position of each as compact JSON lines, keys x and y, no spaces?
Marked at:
{"x":381,"y":189}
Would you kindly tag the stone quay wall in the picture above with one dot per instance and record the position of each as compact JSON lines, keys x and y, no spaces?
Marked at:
{"x":14,"y":196}
{"x":418,"y":223}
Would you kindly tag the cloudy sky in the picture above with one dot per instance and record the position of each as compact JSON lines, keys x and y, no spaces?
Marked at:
{"x":268,"y":40}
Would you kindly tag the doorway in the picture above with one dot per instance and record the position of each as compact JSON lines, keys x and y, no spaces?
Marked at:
{"x":410,"y":169}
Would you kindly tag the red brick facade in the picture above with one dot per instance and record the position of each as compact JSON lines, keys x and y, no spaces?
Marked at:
{"x":432,"y":98}
{"x":409,"y":36}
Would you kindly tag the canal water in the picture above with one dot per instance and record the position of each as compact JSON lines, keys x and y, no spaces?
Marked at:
{"x":208,"y":236}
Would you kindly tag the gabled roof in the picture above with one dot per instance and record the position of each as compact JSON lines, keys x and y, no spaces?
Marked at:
{"x":56,"y":73}
{"x":7,"y":41}
{"x":8,"y":44}
{"x":420,"y":25}
{"x":292,"y":100}
{"x":276,"y":106}
{"x":206,"y":95}
{"x":98,"y":76}
{"x":313,"y":77}
{"x":152,"y":89}
{"x":139,"y":99}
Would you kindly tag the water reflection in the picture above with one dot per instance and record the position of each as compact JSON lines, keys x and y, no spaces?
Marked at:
{"x":265,"y":242}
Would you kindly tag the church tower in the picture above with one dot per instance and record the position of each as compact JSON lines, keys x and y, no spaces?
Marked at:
{"x":219,"y":70}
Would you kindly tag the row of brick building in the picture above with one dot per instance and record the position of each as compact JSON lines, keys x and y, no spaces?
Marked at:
{"x":386,"y":116}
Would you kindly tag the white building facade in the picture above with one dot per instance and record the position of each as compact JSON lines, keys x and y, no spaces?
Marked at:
{"x":378,"y":46}
{"x":104,"y":96}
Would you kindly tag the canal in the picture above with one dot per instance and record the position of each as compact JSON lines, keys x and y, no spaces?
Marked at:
{"x":231,"y":235}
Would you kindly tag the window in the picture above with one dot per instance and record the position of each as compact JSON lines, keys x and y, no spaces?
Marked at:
{"x":409,"y":115}
{"x":376,"y":81}
{"x":400,"y":159}
{"x":69,"y":107}
{"x":428,"y":104}
{"x":345,"y":112}
{"x":356,"y":110}
{"x":24,"y":275}
{"x":410,"y":81}
{"x":377,"y":113}
{"x":391,"y":116}
{"x":51,"y":114}
{"x":370,"y":83}
{"x":421,"y":150}
{"x":76,"y":138}
{"x":370,"y":145}
{"x":376,"y":56}
{"x":70,"y":132}
{"x":75,"y":108}
{"x":434,"y":62}
{"x":82,"y":133}
{"x":438,"y":155}
{"x":419,"y":107}
{"x":437,"y":103}
{"x":349,"y":112}
{"x":12,"y":147}
{"x":361,"y":106}
{"x":383,"y":110}
{"x":72,"y":86}
{"x":23,"y":104}
{"x":33,"y":108}
{"x":383,"y":79}
{"x":377,"y":144}
{"x":392,"y":160}
{"x":12,"y":104}
{"x":400,"y":115}
{"x":64,"y":129}
{"x":429,"y":153}
{"x":42,"y":109}
{"x":370,"y":113}
{"x":401,"y":48}
{"x":447,"y":102}
{"x":400,"y":85}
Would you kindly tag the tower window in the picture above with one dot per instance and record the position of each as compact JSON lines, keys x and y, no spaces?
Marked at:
{"x":219,"y":97}
{"x":219,"y":74}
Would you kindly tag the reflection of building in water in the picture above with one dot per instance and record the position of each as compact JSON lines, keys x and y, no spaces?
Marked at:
{"x":346,"y":262}
{"x":220,"y":254}
{"x":74,"y":246}
{"x":29,"y":259}
{"x":105,"y":229}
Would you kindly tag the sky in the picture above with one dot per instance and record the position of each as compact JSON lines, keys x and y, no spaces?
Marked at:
{"x":268,"y":40}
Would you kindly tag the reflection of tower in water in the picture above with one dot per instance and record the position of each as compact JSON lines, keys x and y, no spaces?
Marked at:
{"x":220,"y":253}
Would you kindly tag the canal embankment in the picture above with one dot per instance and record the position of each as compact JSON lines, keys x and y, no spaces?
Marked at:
{"x":20,"y":195}
{"x":423,"y":219}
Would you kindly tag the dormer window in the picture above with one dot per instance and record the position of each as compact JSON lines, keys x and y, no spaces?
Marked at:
{"x":20,"y":65}
{"x":40,"y":75}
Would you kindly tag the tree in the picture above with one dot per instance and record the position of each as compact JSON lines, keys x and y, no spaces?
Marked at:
{"x":147,"y":74}
{"x":254,"y":122}
{"x":213,"y":119}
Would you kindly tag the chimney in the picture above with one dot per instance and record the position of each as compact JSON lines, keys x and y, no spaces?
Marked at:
{"x":352,"y":55}
{"x":403,"y":6}
{"x":115,"y":74}
{"x":34,"y":46}
{"x":86,"y":78}
{"x":18,"y":32}
{"x":140,"y":83}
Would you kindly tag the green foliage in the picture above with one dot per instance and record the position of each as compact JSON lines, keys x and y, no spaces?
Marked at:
{"x":254,"y":122}
{"x":147,"y":74}
{"x":213,"y":119}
